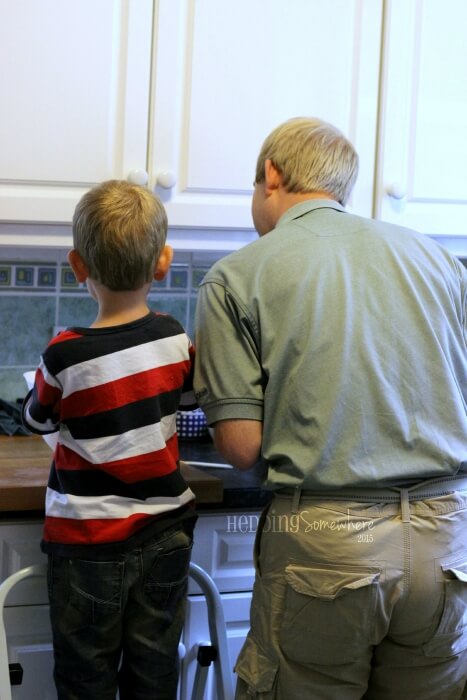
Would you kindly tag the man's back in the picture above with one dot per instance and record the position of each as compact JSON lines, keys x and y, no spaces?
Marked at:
{"x":359,"y":328}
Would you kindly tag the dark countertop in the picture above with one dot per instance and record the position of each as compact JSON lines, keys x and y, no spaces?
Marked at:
{"x":242,"y":489}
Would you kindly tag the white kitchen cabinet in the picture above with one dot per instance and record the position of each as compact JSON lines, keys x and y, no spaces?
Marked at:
{"x":29,"y":642}
{"x":421,"y":176}
{"x":75,"y":89}
{"x":26,"y":613}
{"x":223,"y":547}
{"x":236,"y":607}
{"x":226,"y":73}
{"x":184,"y":90}
{"x":20,"y":547}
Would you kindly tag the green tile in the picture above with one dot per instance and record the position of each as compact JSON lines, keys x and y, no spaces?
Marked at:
{"x":68,"y":279}
{"x":12,"y":383}
{"x":24,"y":276}
{"x":198,"y":275}
{"x":191,"y":317}
{"x":5,"y":275}
{"x":176,"y":306}
{"x":46,"y":276}
{"x":179,"y":278}
{"x":27,"y":322}
{"x":76,"y":311}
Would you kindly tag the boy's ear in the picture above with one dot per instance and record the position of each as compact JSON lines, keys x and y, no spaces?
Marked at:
{"x":164,"y":262}
{"x":78,"y":265}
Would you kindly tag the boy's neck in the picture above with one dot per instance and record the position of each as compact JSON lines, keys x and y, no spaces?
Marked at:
{"x":117,"y":308}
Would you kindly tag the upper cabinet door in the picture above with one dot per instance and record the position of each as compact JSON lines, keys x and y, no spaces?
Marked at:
{"x":75,"y":93}
{"x":226,"y":73}
{"x":422,"y":175}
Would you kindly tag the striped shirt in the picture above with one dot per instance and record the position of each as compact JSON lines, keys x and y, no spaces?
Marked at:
{"x":112,"y":394}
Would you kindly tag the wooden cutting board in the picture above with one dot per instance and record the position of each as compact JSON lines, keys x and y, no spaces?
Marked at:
{"x":24,"y":471}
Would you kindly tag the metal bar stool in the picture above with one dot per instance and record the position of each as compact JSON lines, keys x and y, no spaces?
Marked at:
{"x":11,"y":672}
{"x":217,"y":653}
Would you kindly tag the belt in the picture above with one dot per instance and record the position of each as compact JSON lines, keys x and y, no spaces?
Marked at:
{"x":429,"y":488}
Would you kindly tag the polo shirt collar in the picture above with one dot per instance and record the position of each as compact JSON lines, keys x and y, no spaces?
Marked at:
{"x":306,"y":206}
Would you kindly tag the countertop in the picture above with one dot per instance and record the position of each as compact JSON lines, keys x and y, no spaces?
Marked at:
{"x":25,"y":463}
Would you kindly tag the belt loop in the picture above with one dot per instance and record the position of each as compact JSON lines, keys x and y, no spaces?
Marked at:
{"x":405,"y":505}
{"x":296,"y":499}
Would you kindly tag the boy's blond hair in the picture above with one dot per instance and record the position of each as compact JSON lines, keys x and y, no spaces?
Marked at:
{"x":119,"y":230}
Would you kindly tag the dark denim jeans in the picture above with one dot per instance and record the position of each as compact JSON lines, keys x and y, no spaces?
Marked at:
{"x":117,"y":624}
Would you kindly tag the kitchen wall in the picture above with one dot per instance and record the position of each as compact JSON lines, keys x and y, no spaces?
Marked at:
{"x":39,"y":295}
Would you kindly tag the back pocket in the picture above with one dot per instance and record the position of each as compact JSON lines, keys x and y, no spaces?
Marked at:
{"x":329,"y":612}
{"x":450,"y":637}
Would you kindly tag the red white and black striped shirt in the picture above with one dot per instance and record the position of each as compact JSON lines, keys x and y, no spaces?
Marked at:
{"x":112,"y":393}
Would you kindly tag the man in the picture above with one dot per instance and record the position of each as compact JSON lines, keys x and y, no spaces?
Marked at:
{"x":334,"y":349}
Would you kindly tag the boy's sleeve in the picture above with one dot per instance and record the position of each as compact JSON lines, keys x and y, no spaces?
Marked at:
{"x":187,"y":399}
{"x":41,"y":407}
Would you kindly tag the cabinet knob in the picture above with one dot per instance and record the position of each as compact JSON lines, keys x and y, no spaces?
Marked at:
{"x":138,"y":177}
{"x":166,"y":180}
{"x":395,"y":190}
{"x":181,"y":650}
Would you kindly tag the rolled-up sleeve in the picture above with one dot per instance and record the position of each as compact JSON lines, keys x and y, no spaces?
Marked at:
{"x":229,"y":381}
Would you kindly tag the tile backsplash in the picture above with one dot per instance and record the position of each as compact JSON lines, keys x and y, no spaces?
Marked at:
{"x":39,"y":295}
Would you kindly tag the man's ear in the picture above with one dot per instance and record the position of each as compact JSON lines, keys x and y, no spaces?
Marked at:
{"x":164,"y":262}
{"x":272,"y":176}
{"x":78,"y":265}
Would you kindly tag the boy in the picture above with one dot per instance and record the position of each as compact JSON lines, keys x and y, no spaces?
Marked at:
{"x":119,"y":516}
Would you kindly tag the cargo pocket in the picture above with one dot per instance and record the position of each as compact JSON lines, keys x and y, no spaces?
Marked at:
{"x":329,"y":612}
{"x":256,"y":669}
{"x":450,"y":637}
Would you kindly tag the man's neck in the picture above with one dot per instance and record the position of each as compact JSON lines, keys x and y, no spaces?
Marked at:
{"x":290,"y":199}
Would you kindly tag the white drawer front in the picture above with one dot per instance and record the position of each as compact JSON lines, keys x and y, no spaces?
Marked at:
{"x":20,"y":547}
{"x":224,"y":549}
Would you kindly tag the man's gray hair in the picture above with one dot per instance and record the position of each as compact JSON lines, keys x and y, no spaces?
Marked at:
{"x":312,"y":156}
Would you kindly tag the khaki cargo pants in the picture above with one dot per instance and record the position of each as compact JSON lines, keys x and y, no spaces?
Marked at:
{"x":360,"y":599}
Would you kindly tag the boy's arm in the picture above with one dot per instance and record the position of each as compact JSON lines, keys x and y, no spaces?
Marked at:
{"x":40,"y":410}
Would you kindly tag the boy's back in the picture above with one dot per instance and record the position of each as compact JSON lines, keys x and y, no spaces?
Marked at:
{"x":115,"y":471}
{"x":119,"y":516}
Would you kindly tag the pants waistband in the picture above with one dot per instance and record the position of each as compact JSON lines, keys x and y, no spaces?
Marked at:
{"x":430,"y":488}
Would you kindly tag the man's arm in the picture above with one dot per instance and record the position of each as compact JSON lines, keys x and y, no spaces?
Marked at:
{"x":239,"y":441}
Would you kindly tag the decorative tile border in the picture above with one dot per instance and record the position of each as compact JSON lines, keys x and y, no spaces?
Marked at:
{"x":5,"y":275}
{"x":26,"y":276}
{"x":20,"y":276}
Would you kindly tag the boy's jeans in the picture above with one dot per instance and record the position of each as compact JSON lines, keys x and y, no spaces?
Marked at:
{"x":129,"y":610}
